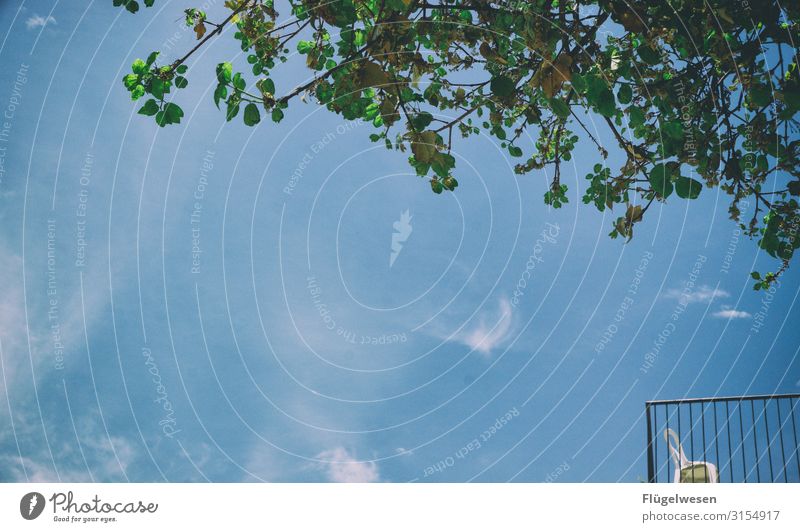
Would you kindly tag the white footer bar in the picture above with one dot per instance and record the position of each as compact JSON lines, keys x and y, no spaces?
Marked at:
{"x":399,"y":507}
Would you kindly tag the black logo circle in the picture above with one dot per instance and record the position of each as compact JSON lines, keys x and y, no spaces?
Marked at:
{"x":31,"y":505}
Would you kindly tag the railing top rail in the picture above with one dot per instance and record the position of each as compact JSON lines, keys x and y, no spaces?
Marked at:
{"x":724,"y":399}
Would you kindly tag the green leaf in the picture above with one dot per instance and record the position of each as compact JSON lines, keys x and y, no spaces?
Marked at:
{"x":501,"y":86}
{"x":559,"y":107}
{"x":139,"y":67}
{"x":769,"y":243}
{"x":238,"y":81}
{"x":606,"y":105}
{"x":251,"y":115}
{"x":305,"y":46}
{"x":514,"y":151}
{"x":648,"y":54}
{"x":421,"y":120}
{"x":181,"y":82}
{"x":220,"y":93}
{"x":636,"y":116}
{"x":151,"y":59}
{"x":233,"y":110}
{"x":579,"y":83}
{"x":625,"y":94}
{"x":660,"y":181}
{"x":792,"y":100}
{"x":149,"y":108}
{"x":277,"y":115}
{"x":760,"y":95}
{"x":450,"y":183}
{"x":157,"y":88}
{"x":324,"y":92}
{"x":673,"y":129}
{"x":130,"y":81}
{"x":182,"y":69}
{"x":173,"y":113}
{"x":266,"y":85}
{"x":687,"y":188}
{"x":137,"y":92}
{"x":224,"y":72}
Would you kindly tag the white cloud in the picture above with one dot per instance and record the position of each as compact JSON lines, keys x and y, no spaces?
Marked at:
{"x":38,"y":21}
{"x":36,"y":471}
{"x":108,"y":457}
{"x":340,"y":466}
{"x":22,"y":342}
{"x":261,"y":465}
{"x":731,"y":313}
{"x":485,"y":337}
{"x":12,"y":319}
{"x":702,"y":294}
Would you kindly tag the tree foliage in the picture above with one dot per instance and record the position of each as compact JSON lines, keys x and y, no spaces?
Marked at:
{"x":696,"y":94}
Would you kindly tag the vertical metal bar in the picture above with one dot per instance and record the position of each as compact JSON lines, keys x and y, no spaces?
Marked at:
{"x":666,"y":415}
{"x":678,"y":406}
{"x":703,"y":422}
{"x":755,"y":439}
{"x":716,"y":440}
{"x":651,"y":477}
{"x":769,"y":443}
{"x":780,"y":436}
{"x":655,"y":442}
{"x":730,"y":450}
{"x":691,"y":438}
{"x":741,"y":439}
{"x":794,"y":431}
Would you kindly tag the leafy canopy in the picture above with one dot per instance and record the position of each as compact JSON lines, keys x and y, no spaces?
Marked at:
{"x":695,"y":94}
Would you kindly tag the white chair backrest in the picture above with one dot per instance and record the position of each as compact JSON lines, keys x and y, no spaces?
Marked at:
{"x":675,"y":450}
{"x":681,"y":462}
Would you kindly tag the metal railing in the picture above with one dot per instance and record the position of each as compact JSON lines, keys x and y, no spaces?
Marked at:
{"x":745,"y":439}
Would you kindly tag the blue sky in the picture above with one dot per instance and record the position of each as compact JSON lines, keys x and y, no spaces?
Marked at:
{"x":290,"y":349}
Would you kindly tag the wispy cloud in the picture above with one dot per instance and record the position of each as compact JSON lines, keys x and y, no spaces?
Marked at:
{"x":340,"y":466}
{"x":703,"y":294}
{"x":729,"y":313}
{"x":261,"y":465}
{"x":489,"y":334}
{"x":38,"y":21}
{"x":108,"y":458}
{"x":21,"y":341}
{"x":18,"y":467}
{"x":12,"y":318}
